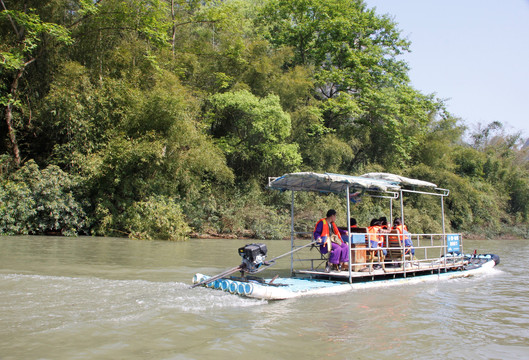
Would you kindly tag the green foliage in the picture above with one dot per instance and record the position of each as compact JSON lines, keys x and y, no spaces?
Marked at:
{"x":311,"y":207}
{"x":420,"y":221}
{"x":253,"y":134}
{"x":24,"y":37}
{"x":124,"y":175}
{"x":361,"y":86}
{"x":518,"y":189}
{"x":334,"y":33}
{"x":397,"y":118}
{"x":17,"y":208}
{"x":38,"y":201}
{"x":328,"y":154}
{"x":469,"y":162}
{"x":157,"y":217}
{"x":470,"y":204}
{"x":436,"y":145}
{"x":247,"y":217}
{"x":75,"y":118}
{"x":27,"y":31}
{"x":163,"y":121}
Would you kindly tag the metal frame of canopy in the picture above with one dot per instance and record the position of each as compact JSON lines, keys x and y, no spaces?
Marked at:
{"x":382,"y":185}
{"x":414,"y":183}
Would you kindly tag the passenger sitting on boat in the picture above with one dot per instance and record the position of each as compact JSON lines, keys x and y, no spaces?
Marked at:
{"x":375,"y":239}
{"x":343,"y":230}
{"x":323,"y":232}
{"x":405,"y":235}
{"x":384,"y":229}
{"x":384,"y":223}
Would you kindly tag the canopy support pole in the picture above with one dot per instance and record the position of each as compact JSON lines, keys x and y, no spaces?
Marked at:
{"x":444,"y":232}
{"x":401,"y":207}
{"x":403,"y":223}
{"x":292,"y":235}
{"x":390,"y":212}
{"x":349,"y":233}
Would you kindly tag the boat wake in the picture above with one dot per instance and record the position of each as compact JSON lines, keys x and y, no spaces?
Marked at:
{"x":51,"y":302}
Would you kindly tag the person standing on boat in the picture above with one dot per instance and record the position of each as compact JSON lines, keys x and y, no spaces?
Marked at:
{"x":324,"y":231}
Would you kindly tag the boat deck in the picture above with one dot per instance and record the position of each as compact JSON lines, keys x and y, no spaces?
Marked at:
{"x":412,"y":268}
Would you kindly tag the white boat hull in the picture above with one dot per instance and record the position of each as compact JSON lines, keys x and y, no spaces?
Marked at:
{"x":287,"y":288}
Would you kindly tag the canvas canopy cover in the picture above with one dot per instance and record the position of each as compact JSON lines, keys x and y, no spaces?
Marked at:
{"x":337,"y":183}
{"x":401,"y":180}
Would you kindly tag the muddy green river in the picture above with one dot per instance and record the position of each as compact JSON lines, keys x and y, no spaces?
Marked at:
{"x":108,"y":298}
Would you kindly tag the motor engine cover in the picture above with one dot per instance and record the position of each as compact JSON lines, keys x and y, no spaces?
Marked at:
{"x":253,"y":255}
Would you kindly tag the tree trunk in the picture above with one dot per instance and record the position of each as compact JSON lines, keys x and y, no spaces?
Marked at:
{"x":9,"y":113}
{"x":173,"y":37}
{"x":11,"y":133}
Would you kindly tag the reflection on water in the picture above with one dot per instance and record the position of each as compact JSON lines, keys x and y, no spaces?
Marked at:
{"x":89,"y":298}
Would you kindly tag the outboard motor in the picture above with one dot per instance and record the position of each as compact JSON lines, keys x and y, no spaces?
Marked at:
{"x":253,"y":256}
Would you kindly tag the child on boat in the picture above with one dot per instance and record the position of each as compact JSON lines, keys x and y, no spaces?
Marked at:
{"x":403,"y":230}
{"x":376,"y":240}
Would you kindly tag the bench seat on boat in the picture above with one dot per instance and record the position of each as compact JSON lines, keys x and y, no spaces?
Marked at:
{"x":374,"y":255}
{"x":397,"y":252}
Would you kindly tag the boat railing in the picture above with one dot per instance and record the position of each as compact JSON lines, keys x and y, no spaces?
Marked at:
{"x":434,"y":251}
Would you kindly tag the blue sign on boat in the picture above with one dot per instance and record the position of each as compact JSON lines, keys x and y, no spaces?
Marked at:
{"x":453,"y":243}
{"x":358,"y":238}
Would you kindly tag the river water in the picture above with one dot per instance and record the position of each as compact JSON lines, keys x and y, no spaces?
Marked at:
{"x":108,"y":298}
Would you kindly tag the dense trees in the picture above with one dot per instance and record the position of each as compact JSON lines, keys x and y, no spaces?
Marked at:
{"x":252,"y":133}
{"x":154,"y":118}
{"x":23,"y":35}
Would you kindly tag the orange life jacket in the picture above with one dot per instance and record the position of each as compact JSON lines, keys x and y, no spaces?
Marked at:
{"x":373,"y":232}
{"x":400,"y":229}
{"x":325,"y":229}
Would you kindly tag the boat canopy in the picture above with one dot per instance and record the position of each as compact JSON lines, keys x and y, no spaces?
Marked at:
{"x":401,"y":180}
{"x":337,"y":183}
{"x":327,"y":182}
